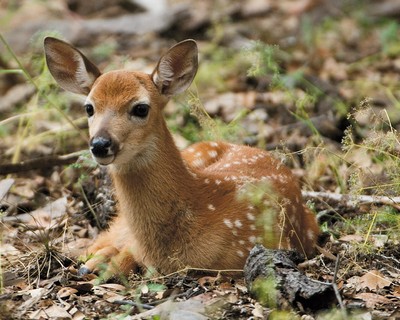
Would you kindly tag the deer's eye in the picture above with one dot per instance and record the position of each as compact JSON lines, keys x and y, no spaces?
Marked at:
{"x":89,"y":109}
{"x":141,"y":110}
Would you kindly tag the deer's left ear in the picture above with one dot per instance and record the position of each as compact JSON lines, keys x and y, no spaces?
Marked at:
{"x":176,"y":69}
{"x":69,"y":67}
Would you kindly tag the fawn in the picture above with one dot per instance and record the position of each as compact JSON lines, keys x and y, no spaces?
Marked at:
{"x":176,"y":209}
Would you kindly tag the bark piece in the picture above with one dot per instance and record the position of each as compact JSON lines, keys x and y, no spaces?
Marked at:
{"x":39,"y":163}
{"x":292,"y":287}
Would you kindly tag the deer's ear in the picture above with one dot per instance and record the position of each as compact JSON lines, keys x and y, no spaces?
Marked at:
{"x":176,"y":69}
{"x":69,"y":67}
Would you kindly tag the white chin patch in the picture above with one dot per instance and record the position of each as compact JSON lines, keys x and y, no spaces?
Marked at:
{"x":105,"y":161}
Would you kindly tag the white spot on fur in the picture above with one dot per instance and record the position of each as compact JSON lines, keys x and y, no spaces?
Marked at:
{"x":192,"y":174}
{"x":238,"y":223}
{"x":252,"y":239}
{"x":241,"y":242}
{"x":250,"y":216}
{"x":198,"y":162}
{"x":240,"y":253}
{"x":213,"y":144}
{"x":228,"y":223}
{"x":198,"y":154}
{"x":207,"y":181}
{"x":227,"y":165}
{"x":190,"y":149}
{"x":211,"y":207}
{"x":218,"y":181}
{"x":212,"y":153}
{"x":252,"y":227}
{"x":310,"y":235}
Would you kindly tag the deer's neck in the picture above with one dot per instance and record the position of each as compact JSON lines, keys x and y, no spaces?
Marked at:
{"x":158,"y":193}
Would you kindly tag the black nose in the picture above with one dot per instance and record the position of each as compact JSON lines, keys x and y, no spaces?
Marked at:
{"x":101,"y":146}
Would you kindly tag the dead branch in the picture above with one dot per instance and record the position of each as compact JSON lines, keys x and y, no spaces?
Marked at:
{"x":293,"y":288}
{"x":351,"y":200}
{"x":39,"y":163}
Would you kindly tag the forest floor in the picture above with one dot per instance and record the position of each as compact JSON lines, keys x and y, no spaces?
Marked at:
{"x":316,"y":82}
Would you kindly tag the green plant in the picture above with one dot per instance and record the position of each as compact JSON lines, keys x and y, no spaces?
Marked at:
{"x":266,"y":292}
{"x":389,"y":38}
{"x":45,"y":104}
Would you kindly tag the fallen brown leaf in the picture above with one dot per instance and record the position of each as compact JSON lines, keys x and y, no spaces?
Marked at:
{"x":66,"y":292}
{"x":352,"y":238}
{"x":371,"y":299}
{"x":374,"y":280}
{"x":206,"y":281}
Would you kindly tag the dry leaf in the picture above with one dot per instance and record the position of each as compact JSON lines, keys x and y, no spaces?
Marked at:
{"x":354,"y":283}
{"x":352,"y":238}
{"x":371,"y":299}
{"x":77,"y":315}
{"x":35,"y":296}
{"x":38,"y":314}
{"x":396,"y":291}
{"x":380,"y":240}
{"x":258,"y":311}
{"x":206,"y":281}
{"x":326,"y":253}
{"x":144,"y":289}
{"x":44,"y":218}
{"x":233,"y":298}
{"x":57,"y":312}
{"x":8,"y":249}
{"x":5,"y":185}
{"x":112,"y":296}
{"x":66,"y":292}
{"x":374,"y":280}
{"x":113,"y":286}
{"x":83,"y":287}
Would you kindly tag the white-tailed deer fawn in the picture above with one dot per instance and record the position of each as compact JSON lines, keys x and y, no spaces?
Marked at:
{"x":176,"y":209}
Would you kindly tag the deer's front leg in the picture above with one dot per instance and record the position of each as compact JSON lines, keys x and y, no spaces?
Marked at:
{"x":112,"y":253}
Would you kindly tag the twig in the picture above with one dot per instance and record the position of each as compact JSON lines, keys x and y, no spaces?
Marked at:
{"x":187,"y":269}
{"x":336,"y":289}
{"x":352,"y":200}
{"x":40,"y":163}
{"x":134,"y":304}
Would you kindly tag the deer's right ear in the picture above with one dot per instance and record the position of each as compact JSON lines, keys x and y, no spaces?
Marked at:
{"x":69,"y":67}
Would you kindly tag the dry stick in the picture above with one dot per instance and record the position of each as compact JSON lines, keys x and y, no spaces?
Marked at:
{"x":351,"y":200}
{"x":134,"y":304}
{"x":336,"y":289}
{"x":150,"y":305}
{"x":40,"y":163}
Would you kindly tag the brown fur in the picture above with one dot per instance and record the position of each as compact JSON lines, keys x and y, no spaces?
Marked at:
{"x":179,"y":209}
